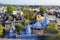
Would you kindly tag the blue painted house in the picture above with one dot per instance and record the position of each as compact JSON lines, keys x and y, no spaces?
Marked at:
{"x":38,"y":27}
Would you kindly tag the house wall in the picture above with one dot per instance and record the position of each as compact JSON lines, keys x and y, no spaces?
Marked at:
{"x":7,"y":26}
{"x":36,"y":31}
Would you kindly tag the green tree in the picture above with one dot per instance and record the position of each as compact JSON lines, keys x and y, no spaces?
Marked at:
{"x":10,"y":8}
{"x":1,"y":29}
{"x":52,"y":26}
{"x":42,"y":10}
{"x":26,"y":21}
{"x":18,"y":28}
{"x":28,"y":14}
{"x":32,"y":15}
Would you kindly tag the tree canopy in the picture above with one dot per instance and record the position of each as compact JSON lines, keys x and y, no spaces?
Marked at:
{"x":28,"y":14}
{"x":18,"y":28}
{"x":52,"y":25}
{"x":42,"y":9}
{"x":10,"y":8}
{"x":1,"y":29}
{"x":52,"y":28}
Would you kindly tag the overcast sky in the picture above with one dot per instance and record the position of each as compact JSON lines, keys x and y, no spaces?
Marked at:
{"x":31,"y":2}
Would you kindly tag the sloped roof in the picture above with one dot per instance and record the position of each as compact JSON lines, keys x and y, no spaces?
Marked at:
{"x":2,"y":21}
{"x":40,"y":24}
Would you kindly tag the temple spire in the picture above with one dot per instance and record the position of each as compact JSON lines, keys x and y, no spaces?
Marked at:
{"x":28,"y":29}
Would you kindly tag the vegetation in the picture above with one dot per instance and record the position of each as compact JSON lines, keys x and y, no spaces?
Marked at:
{"x":42,"y":10}
{"x":56,"y":37}
{"x":18,"y":28}
{"x":32,"y":15}
{"x":52,"y":28}
{"x":1,"y":30}
{"x":28,"y":14}
{"x":10,"y":8}
{"x":26,"y":21}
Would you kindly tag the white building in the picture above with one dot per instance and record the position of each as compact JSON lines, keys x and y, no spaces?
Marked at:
{"x":16,"y":12}
{"x":2,"y":9}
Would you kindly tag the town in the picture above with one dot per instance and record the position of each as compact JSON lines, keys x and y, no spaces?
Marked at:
{"x":22,"y":21}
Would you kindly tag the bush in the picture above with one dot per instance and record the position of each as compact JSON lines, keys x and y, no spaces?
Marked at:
{"x":52,"y":31}
{"x":10,"y":8}
{"x":57,"y":37}
{"x":1,"y":29}
{"x":18,"y":28}
{"x":52,"y":28}
{"x":42,"y":10}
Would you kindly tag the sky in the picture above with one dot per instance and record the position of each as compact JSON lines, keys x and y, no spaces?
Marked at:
{"x":31,"y":2}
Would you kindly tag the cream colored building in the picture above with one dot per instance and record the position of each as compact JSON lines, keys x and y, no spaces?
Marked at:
{"x":3,"y":9}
